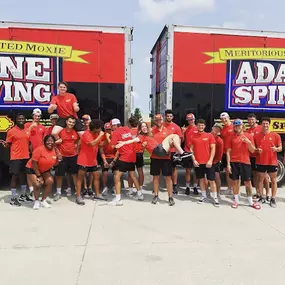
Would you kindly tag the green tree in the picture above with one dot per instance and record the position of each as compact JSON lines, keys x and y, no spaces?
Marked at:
{"x":137,"y":113}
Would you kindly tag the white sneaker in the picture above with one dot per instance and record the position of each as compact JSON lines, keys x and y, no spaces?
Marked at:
{"x":139,"y":197}
{"x":37,"y":205}
{"x":131,"y":192}
{"x":105,"y":191}
{"x":68,"y":192}
{"x":115,"y":202}
{"x":45,"y":204}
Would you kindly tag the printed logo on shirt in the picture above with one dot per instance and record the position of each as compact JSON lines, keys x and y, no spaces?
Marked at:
{"x":68,"y":100}
{"x":54,"y":157}
{"x":270,"y":139}
{"x":205,"y":139}
{"x":72,"y":136}
{"x":127,"y":135}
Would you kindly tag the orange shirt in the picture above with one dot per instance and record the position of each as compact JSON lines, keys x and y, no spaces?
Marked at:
{"x":37,"y":135}
{"x":239,"y":149}
{"x":138,"y":146}
{"x":109,"y":151}
{"x":151,"y":143}
{"x":201,"y":143}
{"x":68,"y":146}
{"x":128,"y":151}
{"x":88,"y":154}
{"x":65,"y":105}
{"x":174,"y":129}
{"x":253,"y":131}
{"x":159,"y":136}
{"x":19,"y":140}
{"x":219,"y":150}
{"x":190,"y":130}
{"x":49,"y":130}
{"x":45,"y":158}
{"x":226,"y":133}
{"x":266,"y":142}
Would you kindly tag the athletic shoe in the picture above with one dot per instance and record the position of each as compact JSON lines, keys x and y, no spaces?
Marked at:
{"x":187,"y":191}
{"x":175,"y":190}
{"x":99,"y":197}
{"x":202,"y":200}
{"x":195,"y":189}
{"x":84,"y":193}
{"x":56,"y":197}
{"x":179,"y":157}
{"x":139,"y":197}
{"x":267,"y":199}
{"x":45,"y":204}
{"x":116,"y":202}
{"x":273,"y":203}
{"x":25,"y":198}
{"x":131,"y":192}
{"x":171,"y":201}
{"x":79,"y":201}
{"x":68,"y":192}
{"x":105,"y":191}
{"x":154,"y":200}
{"x":91,"y":193}
{"x":15,"y":202}
{"x":261,"y":200}
{"x":37,"y":205}
{"x":216,"y":202}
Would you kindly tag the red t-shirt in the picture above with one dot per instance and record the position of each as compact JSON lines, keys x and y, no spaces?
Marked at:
{"x":49,"y":130}
{"x":226,"y":133}
{"x":151,"y":143}
{"x":254,"y":131}
{"x":19,"y":140}
{"x":88,"y":154}
{"x":45,"y":158}
{"x":265,"y":142}
{"x":68,"y":147}
{"x":159,"y":136}
{"x":138,"y":146}
{"x":174,"y":129}
{"x":109,"y":151}
{"x":219,"y":150}
{"x":202,"y":146}
{"x":128,"y":151}
{"x":190,"y":130}
{"x":239,"y":149}
{"x":65,"y":105}
{"x":37,"y":135}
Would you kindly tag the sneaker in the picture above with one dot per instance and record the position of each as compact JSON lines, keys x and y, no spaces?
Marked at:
{"x":99,"y":197}
{"x":15,"y":202}
{"x":37,"y":205}
{"x":187,"y":191}
{"x":84,"y":193}
{"x":273,"y":203}
{"x":154,"y":200}
{"x":139,"y":197}
{"x":261,"y":200}
{"x":131,"y":192}
{"x":56,"y":197}
{"x":105,"y":191}
{"x":216,"y":202}
{"x":267,"y":199}
{"x":91,"y":193}
{"x":195,"y":189}
{"x":116,"y":202}
{"x":179,"y":157}
{"x":25,"y":198}
{"x":175,"y":190}
{"x":171,"y":201}
{"x":45,"y":204}
{"x":79,"y":201}
{"x":29,"y":197}
{"x":202,"y":200}
{"x":68,"y":192}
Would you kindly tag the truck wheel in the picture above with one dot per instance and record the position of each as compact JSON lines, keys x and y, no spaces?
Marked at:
{"x":280,"y":171}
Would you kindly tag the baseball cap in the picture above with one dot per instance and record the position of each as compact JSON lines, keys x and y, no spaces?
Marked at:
{"x":107,"y":126}
{"x":237,"y":122}
{"x":87,"y":117}
{"x":37,"y":111}
{"x":224,"y":115}
{"x":115,"y":122}
{"x":190,"y":117}
{"x":217,"y":125}
{"x":53,"y":116}
{"x":158,"y":117}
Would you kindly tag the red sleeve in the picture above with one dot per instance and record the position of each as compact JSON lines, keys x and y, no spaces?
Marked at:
{"x":179,"y":132}
{"x":53,"y":100}
{"x":114,"y":139}
{"x":36,"y":154}
{"x":278,"y":140}
{"x":212,"y":139}
{"x":73,"y":99}
{"x":87,"y":138}
{"x":76,"y":135}
{"x":9,"y":137}
{"x":251,"y":139}
{"x":229,"y":144}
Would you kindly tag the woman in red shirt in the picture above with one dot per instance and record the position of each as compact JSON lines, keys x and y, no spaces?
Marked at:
{"x":38,"y":170}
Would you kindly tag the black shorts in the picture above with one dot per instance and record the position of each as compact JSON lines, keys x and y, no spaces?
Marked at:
{"x":160,"y":166}
{"x":240,"y":170}
{"x":109,"y":160}
{"x":159,"y":151}
{"x":224,"y":161}
{"x":203,"y":171}
{"x":217,"y":167}
{"x":89,"y":168}
{"x":187,"y":162}
{"x":174,"y":163}
{"x":67,"y":165}
{"x":123,"y":166}
{"x":253,"y":164}
{"x":18,"y":166}
{"x":61,"y":122}
{"x":266,"y":168}
{"x":139,"y":160}
{"x":31,"y":171}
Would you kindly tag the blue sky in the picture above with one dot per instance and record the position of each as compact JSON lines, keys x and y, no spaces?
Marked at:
{"x":148,"y":18}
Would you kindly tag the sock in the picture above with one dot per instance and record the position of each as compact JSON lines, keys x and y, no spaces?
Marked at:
{"x":195,"y":185}
{"x":58,"y":191}
{"x":250,"y":202}
{"x":237,"y":198}
{"x":214,"y":195}
{"x":14,"y":192}
{"x":68,"y":189}
{"x":31,"y":189}
{"x":204,"y":195}
{"x":118,"y":197}
{"x":188,"y":184}
{"x":23,"y":189}
{"x":140,"y":192}
{"x":141,"y":187}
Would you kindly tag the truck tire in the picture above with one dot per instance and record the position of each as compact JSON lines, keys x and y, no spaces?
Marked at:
{"x":280,"y":171}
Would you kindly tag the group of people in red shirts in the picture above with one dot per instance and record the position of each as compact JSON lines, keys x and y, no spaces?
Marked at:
{"x":73,"y":146}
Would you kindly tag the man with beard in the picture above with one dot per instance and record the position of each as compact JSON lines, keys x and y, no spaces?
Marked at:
{"x":175,"y":129}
